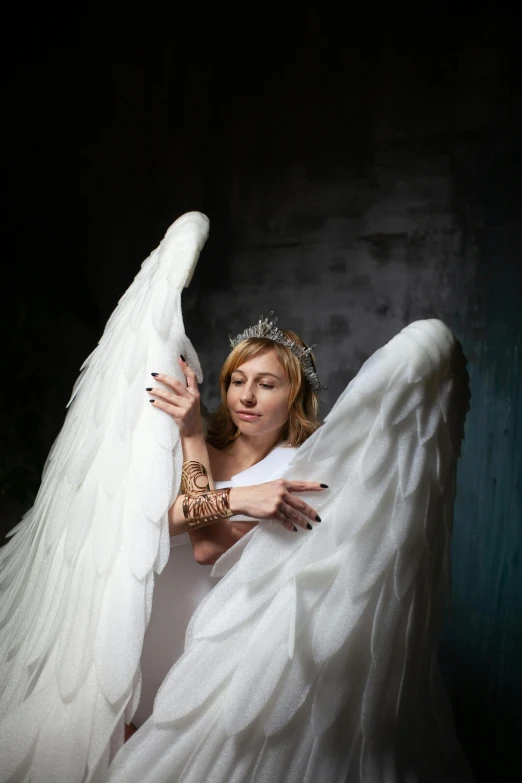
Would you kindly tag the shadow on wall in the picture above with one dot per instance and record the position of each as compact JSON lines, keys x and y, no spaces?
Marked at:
{"x":489,"y":728}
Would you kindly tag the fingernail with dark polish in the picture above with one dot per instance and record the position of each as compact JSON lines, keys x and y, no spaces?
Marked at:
{"x":152,"y":400}
{"x":325,"y":486}
{"x":154,"y":373}
{"x":309,"y":526}
{"x":149,"y":388}
{"x":182,"y":357}
{"x":318,"y":518}
{"x":295,"y":529}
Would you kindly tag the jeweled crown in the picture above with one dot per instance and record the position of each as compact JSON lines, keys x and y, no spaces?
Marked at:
{"x":266,"y":327}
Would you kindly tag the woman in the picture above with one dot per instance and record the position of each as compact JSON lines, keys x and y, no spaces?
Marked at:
{"x":268,"y":409}
{"x":313,"y":658}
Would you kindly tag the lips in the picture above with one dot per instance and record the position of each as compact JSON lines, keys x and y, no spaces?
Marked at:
{"x":248,"y":415}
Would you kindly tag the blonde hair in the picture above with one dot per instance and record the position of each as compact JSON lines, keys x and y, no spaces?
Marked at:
{"x":303,"y":405}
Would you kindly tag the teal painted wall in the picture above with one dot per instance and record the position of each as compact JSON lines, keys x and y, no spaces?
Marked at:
{"x":482,"y":646}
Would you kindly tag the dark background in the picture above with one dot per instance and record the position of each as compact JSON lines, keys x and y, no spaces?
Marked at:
{"x":360,"y":169}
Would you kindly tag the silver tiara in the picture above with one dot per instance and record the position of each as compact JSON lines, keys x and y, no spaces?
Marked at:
{"x":266,"y":327}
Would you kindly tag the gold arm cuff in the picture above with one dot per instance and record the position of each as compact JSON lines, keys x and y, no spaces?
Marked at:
{"x":207,"y":506}
{"x":194,"y":478}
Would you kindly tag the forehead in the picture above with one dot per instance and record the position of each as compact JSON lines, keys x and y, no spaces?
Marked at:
{"x":266,"y":362}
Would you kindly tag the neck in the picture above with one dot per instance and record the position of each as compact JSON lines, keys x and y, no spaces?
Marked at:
{"x":252,"y":449}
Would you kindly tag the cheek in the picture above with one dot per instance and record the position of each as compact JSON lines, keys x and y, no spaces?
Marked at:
{"x":278,"y":408}
{"x":233,"y":396}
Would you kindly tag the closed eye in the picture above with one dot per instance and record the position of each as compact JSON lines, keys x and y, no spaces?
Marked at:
{"x":264,"y":385}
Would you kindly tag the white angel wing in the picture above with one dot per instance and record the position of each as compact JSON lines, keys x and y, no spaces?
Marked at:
{"x":314,"y":659}
{"x":77,"y":577}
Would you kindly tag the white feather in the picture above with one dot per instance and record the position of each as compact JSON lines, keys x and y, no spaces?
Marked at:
{"x":77,"y":578}
{"x":120,"y":627}
{"x":313,"y":655}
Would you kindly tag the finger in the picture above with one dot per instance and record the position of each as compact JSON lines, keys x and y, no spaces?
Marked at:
{"x":190,"y":375}
{"x":280,"y":517}
{"x":172,"y":410}
{"x":301,"y":507}
{"x":295,"y":517}
{"x":305,"y":486}
{"x":168,"y":397}
{"x":177,"y":387}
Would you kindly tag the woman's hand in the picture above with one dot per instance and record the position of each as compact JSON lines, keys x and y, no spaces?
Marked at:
{"x":275,"y":500}
{"x":179,"y":401}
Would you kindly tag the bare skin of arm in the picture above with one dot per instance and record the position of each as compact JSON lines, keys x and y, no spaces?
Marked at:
{"x":211,"y":539}
{"x":211,"y":542}
{"x":271,"y":500}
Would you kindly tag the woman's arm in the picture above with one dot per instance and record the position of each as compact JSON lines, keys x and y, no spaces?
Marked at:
{"x":272,"y":500}
{"x":183,"y":404}
{"x":194,"y":448}
{"x":209,"y":544}
{"x":211,"y":538}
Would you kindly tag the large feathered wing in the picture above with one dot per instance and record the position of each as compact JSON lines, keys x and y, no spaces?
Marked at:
{"x":77,"y":576}
{"x":313,"y":660}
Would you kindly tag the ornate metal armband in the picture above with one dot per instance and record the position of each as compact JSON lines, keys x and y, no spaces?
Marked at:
{"x":207,"y":506}
{"x":194,"y":478}
{"x":200,"y":503}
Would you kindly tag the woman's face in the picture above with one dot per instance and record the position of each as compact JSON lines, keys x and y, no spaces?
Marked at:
{"x":258,"y":394}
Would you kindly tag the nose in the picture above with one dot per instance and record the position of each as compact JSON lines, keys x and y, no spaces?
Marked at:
{"x":247,"y":395}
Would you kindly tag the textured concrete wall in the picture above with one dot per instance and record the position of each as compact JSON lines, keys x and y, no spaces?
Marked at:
{"x":357,"y":177}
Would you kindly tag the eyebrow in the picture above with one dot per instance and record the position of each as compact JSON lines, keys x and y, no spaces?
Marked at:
{"x":259,"y":374}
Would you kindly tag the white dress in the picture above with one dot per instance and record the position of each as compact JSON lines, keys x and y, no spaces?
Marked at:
{"x":181,"y":587}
